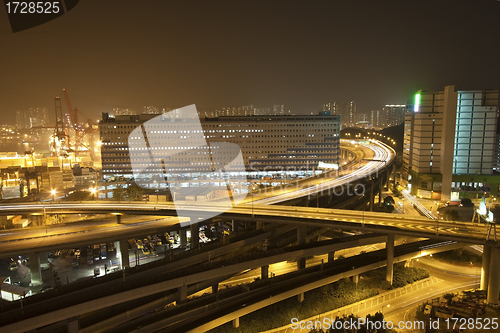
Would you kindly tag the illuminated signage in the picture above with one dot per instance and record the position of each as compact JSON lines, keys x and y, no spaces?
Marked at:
{"x":323,"y":165}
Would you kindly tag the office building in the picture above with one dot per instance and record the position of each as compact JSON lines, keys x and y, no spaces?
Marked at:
{"x":450,"y":143}
{"x":267,"y":143}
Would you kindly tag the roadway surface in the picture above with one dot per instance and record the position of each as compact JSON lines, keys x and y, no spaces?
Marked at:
{"x":240,"y":306}
{"x":375,"y":158}
{"x":77,"y":234}
{"x":319,"y":217}
{"x":453,"y":278}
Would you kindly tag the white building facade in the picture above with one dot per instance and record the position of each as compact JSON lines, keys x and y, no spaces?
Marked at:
{"x":448,"y":134}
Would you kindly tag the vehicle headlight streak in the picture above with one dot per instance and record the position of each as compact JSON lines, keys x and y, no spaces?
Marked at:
{"x":381,"y":154}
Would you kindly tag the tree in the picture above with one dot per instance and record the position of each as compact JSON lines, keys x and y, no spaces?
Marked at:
{"x":388,"y":199}
{"x":134,"y":192}
{"x":119,"y":193}
{"x":389,"y":208}
{"x":466,"y":202}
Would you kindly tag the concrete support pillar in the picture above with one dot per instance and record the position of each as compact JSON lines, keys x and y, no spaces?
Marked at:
{"x":35,"y":271}
{"x":301,"y":263}
{"x":43,"y":260}
{"x":36,"y":220}
{"x":301,"y":234}
{"x":181,"y":294}
{"x":390,"y":257}
{"x":118,"y":219}
{"x":72,"y":325}
{"x":195,"y":235}
{"x":494,"y":276}
{"x":331,"y":256}
{"x":234,"y":225}
{"x":264,"y":272}
{"x":123,"y":249}
{"x":117,"y":252}
{"x":258,"y":225}
{"x":355,"y":278}
{"x":301,"y":239}
{"x":236,"y":322}
{"x":485,"y":269}
{"x":183,"y":237}
{"x":215,"y":288}
{"x":300,"y":297}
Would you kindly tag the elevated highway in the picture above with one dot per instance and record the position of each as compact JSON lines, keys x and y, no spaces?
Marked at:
{"x":44,"y":309}
{"x":48,"y":239}
{"x":206,"y":318}
{"x":300,"y":216}
{"x":377,"y":157}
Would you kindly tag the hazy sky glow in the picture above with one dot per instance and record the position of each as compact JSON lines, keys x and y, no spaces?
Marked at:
{"x":124,"y":53}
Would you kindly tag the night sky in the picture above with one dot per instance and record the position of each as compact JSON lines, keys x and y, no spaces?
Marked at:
{"x":215,"y":54}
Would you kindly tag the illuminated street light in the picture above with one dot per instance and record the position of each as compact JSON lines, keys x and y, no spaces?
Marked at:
{"x":53,"y":192}
{"x":93,"y":190}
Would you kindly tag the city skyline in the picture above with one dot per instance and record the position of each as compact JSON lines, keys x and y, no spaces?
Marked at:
{"x":298,"y":55}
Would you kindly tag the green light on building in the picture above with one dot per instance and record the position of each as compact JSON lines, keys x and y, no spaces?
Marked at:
{"x":417,"y":103}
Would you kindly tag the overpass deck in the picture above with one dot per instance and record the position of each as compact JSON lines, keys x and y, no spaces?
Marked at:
{"x":73,"y":300}
{"x":200,"y":317}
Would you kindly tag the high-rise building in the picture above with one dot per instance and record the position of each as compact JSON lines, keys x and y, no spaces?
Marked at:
{"x":393,"y":114}
{"x":248,"y":110}
{"x":362,"y":120}
{"x":349,"y":114}
{"x":332,"y":107}
{"x":262,"y":111}
{"x":123,"y":112}
{"x":150,"y":109}
{"x":33,"y":117}
{"x":390,"y":115}
{"x":278,"y":109}
{"x":376,"y":118}
{"x":450,"y":141}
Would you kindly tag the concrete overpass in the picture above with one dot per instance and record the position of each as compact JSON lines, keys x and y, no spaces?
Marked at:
{"x":77,"y":303}
{"x":472,"y":233}
{"x":206,"y":318}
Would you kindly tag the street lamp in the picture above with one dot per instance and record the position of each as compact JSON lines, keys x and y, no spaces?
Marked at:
{"x":93,"y":190}
{"x":53,"y":192}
